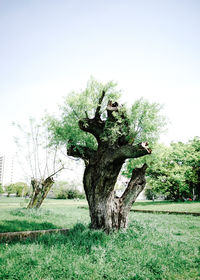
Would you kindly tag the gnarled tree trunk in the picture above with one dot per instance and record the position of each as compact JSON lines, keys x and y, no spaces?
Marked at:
{"x":40,"y":189}
{"x":106,"y":210}
{"x":103,"y":166}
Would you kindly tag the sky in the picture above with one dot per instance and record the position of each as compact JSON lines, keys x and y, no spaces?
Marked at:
{"x":149,"y":47}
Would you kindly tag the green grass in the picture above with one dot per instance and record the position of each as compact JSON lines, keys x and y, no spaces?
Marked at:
{"x":154,"y":246}
{"x":53,"y":214}
{"x":187,"y":206}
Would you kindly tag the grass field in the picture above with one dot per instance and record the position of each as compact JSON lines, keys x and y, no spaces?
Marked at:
{"x":154,"y":246}
{"x":187,"y":206}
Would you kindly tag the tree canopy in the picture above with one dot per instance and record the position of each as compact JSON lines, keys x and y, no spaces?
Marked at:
{"x":139,"y":123}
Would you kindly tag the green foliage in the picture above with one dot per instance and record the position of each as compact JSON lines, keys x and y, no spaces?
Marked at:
{"x":77,"y":106}
{"x":1,"y":189}
{"x":172,"y":171}
{"x":10,"y":189}
{"x":21,"y":189}
{"x":66,"y":190}
{"x":73,"y":194}
{"x":150,"y":193}
{"x":142,"y":122}
{"x":69,"y":194}
{"x":146,"y":121}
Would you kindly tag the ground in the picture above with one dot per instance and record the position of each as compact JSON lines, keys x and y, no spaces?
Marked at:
{"x":156,"y":246}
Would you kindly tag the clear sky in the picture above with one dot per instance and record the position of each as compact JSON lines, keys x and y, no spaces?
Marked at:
{"x":50,"y":47}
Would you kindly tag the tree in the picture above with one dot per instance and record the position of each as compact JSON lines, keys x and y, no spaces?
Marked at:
{"x":193,"y":161}
{"x":95,"y":128}
{"x":21,"y":189}
{"x":1,"y":189}
{"x":40,"y":160}
{"x":167,"y":173}
{"x":10,"y":189}
{"x":173,"y":171}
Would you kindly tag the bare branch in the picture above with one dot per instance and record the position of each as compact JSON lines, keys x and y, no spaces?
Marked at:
{"x":50,"y":176}
{"x":97,"y":113}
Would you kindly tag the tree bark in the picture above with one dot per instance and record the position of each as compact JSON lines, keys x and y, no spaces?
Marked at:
{"x":108,"y":212}
{"x":40,"y":190}
{"x":46,"y":186}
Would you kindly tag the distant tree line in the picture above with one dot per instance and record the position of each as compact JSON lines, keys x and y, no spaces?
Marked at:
{"x":60,"y":190}
{"x":19,"y":189}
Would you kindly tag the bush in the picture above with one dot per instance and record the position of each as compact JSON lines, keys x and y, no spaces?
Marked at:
{"x":69,"y":194}
{"x":62,"y":194}
{"x":66,"y":190}
{"x":1,"y":189}
{"x":72,"y":194}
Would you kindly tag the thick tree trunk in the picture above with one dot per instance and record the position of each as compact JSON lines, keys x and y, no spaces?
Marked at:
{"x":108,"y":212}
{"x":99,"y":181}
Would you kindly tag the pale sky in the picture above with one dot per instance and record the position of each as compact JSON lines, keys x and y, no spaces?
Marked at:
{"x":150,"y":47}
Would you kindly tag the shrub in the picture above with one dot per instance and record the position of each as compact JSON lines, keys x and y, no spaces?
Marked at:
{"x":62,"y":194}
{"x":72,"y":194}
{"x":65,"y":190}
{"x":69,"y":194}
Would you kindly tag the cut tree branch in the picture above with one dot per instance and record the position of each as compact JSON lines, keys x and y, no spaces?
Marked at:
{"x":111,"y":107}
{"x":82,"y":152}
{"x":94,"y":126}
{"x":131,"y":151}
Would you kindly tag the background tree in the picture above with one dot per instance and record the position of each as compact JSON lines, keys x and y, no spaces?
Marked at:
{"x":193,"y":161}
{"x":10,"y":189}
{"x":41,"y":161}
{"x":1,"y":189}
{"x":173,"y":171}
{"x":21,"y":189}
{"x":95,"y":128}
{"x":167,"y":172}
